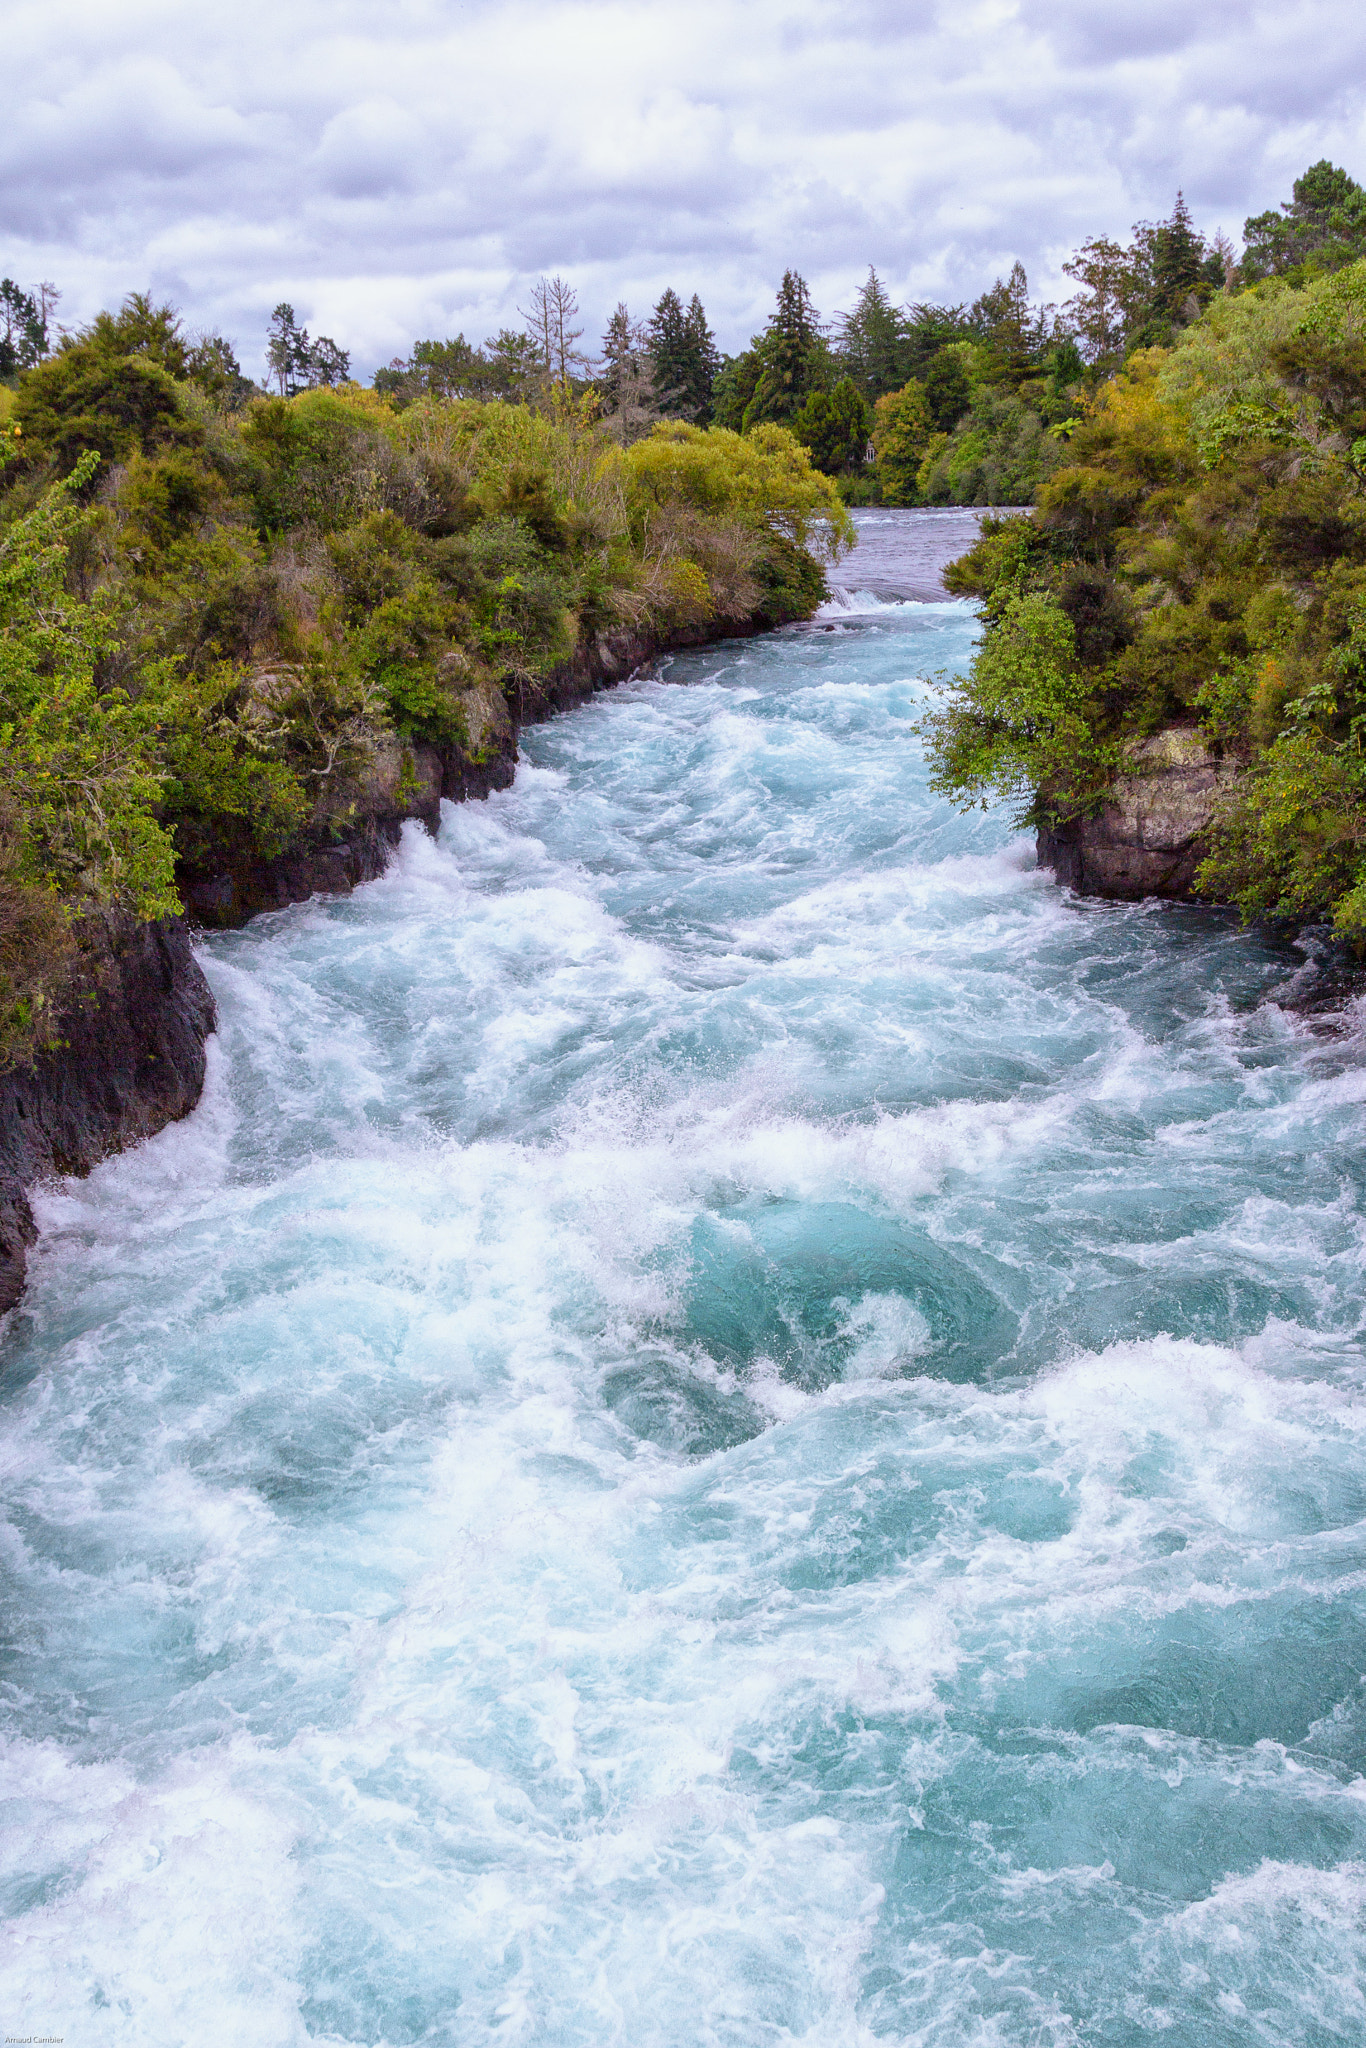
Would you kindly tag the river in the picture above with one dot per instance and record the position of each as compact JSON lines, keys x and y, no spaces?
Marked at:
{"x":736,"y":1422}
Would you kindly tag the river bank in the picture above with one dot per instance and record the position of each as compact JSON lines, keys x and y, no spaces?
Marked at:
{"x":128,"y":1055}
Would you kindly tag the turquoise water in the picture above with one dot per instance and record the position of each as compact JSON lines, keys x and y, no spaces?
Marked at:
{"x":735,"y":1423}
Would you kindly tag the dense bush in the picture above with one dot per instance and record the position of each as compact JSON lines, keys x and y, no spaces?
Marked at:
{"x":214,"y":621}
{"x":1205,"y":543}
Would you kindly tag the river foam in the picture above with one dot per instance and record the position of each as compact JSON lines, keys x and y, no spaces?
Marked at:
{"x":735,"y":1422}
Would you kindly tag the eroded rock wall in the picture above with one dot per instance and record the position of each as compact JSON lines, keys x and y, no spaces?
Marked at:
{"x":130,"y":1059}
{"x":1149,"y":839}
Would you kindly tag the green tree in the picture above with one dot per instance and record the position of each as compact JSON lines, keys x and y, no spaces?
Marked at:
{"x":23,"y":330}
{"x":685,"y":357}
{"x":793,"y":355}
{"x":948,"y":388}
{"x":927,"y":329}
{"x":83,"y":398}
{"x":1111,"y":303}
{"x":901,"y":435}
{"x":77,"y":766}
{"x":668,"y":342}
{"x":835,"y":426}
{"x":287,"y":350}
{"x":212,"y":364}
{"x":1017,"y":727}
{"x":870,"y":345}
{"x":298,"y":364}
{"x":703,"y":361}
{"x":735,"y":386}
{"x":1323,"y":224}
{"x":1004,"y":319}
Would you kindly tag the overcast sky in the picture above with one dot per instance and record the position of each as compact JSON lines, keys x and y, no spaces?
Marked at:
{"x":401,"y":168}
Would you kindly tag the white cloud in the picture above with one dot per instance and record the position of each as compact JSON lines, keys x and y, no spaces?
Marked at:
{"x":403,"y":167}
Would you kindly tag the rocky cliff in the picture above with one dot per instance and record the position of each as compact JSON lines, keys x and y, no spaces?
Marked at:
{"x":129,"y":1058}
{"x":404,"y":780}
{"x":1148,"y":839}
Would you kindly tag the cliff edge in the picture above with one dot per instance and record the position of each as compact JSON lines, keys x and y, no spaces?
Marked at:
{"x":1148,"y":840}
{"x":130,"y":1058}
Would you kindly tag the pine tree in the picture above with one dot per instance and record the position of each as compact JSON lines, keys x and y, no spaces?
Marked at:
{"x":794,"y":355}
{"x":669,"y":350}
{"x":1005,"y":322}
{"x":1178,"y":262}
{"x":288,"y":350}
{"x":23,"y":327}
{"x":871,"y":344}
{"x":704,"y":362}
{"x":686,"y":358}
{"x":794,"y":329}
{"x":1322,"y":224}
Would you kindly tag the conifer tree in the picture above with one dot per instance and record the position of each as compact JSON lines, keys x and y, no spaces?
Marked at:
{"x":23,"y":327}
{"x":686,"y":359}
{"x":1005,"y":322}
{"x":703,"y":362}
{"x":287,"y":350}
{"x":669,"y":351}
{"x":626,"y":378}
{"x":871,"y":344}
{"x":1322,"y":224}
{"x":794,"y":355}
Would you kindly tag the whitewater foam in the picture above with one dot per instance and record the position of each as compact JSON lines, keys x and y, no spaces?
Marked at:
{"x":734,"y":1422}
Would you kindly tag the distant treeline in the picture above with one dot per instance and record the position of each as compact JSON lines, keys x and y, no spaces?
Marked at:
{"x":915,"y":404}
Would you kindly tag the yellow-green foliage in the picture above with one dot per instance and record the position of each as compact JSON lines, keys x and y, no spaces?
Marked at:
{"x":764,"y":477}
{"x":212,"y":624}
{"x":1206,"y":538}
{"x":901,"y":436}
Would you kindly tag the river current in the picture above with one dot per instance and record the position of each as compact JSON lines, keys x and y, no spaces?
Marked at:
{"x":735,"y":1422}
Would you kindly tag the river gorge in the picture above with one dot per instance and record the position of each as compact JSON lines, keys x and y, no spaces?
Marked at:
{"x":735,"y":1421}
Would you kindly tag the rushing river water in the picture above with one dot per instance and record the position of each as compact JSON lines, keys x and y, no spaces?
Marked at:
{"x":735,"y":1423}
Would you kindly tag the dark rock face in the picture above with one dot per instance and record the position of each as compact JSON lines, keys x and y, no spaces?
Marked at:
{"x":131,"y":1060}
{"x":1149,"y":839}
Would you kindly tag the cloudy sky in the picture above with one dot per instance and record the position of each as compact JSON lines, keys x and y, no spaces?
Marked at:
{"x":399,"y":168}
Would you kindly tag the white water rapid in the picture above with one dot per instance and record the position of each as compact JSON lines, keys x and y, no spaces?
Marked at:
{"x":735,"y":1423}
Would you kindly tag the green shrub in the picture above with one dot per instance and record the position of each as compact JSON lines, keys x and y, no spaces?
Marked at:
{"x":1020,"y":726}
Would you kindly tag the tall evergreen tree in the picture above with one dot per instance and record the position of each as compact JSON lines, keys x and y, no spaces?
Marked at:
{"x":686,"y":358}
{"x":668,"y":333}
{"x":23,"y":328}
{"x":287,"y":350}
{"x":795,"y":357}
{"x":703,"y":361}
{"x":1178,"y":264}
{"x":926,"y":329}
{"x":1008,"y":325}
{"x":1178,"y":275}
{"x":870,"y":345}
{"x":1322,"y":224}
